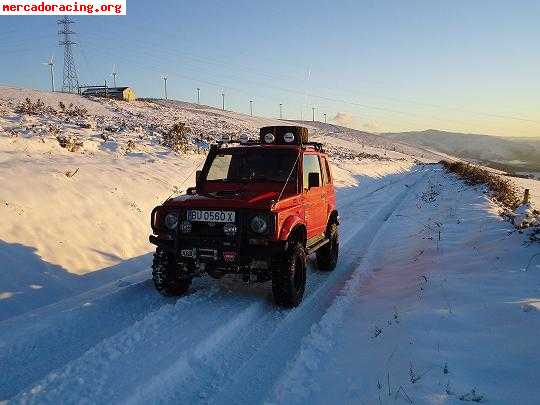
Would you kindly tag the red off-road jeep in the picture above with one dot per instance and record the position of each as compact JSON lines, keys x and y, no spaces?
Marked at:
{"x":258,"y":209}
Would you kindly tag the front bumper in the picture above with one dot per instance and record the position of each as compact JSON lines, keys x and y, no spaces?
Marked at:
{"x":220,"y":252}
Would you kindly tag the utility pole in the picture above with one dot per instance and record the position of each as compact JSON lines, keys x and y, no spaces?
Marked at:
{"x":223,"y":101}
{"x":70,"y":82}
{"x":313,"y":113}
{"x":114,"y":73}
{"x":165,"y":85}
{"x":198,"y":95}
{"x":280,"y":111}
{"x":50,"y":63}
{"x":251,"y":108}
{"x":324,"y":118}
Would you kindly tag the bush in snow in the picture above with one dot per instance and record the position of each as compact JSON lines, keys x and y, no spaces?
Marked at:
{"x":176,"y":138}
{"x":70,"y":143}
{"x":72,"y":110}
{"x":130,"y":146}
{"x":33,"y":108}
{"x":501,"y":189}
{"x":525,"y":216}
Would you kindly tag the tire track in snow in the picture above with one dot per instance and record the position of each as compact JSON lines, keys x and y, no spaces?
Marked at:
{"x":295,"y":384}
{"x":247,"y":377}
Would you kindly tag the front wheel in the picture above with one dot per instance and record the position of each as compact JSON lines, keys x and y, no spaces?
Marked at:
{"x":165,"y":275}
{"x":327,"y":256}
{"x":289,"y":277}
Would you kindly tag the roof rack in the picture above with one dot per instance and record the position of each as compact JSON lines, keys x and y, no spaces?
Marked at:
{"x":317,"y":145}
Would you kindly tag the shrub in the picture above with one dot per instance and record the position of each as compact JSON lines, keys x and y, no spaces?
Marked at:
{"x":501,"y":189}
{"x":29,"y":107}
{"x":70,"y":143}
{"x":176,"y":138}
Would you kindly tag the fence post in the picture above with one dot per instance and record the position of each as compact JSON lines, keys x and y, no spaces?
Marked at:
{"x":526,"y":196}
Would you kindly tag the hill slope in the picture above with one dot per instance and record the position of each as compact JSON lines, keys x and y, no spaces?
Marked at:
{"x":519,"y":154}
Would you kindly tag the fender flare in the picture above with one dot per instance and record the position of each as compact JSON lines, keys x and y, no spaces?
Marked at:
{"x":289,"y":225}
{"x":334,"y":216}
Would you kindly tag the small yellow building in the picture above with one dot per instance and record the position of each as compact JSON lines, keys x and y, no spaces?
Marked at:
{"x":120,"y":93}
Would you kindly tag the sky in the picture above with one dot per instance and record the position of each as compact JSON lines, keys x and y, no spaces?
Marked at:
{"x":379,"y":66}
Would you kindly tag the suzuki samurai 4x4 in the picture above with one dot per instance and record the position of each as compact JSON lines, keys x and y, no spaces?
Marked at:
{"x":258,"y":209}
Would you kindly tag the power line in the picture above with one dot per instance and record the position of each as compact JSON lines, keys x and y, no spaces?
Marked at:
{"x":252,"y":71}
{"x":70,"y":82}
{"x":407,"y":114}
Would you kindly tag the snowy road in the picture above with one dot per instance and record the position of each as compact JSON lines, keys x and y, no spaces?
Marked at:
{"x":225,"y":342}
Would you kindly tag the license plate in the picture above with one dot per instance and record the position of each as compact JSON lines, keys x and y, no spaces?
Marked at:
{"x":210,"y":216}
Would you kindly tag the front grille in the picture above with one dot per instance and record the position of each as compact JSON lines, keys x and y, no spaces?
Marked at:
{"x":204,"y":229}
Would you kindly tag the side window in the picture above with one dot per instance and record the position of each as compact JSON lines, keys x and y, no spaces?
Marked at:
{"x":324,"y":173}
{"x":311,"y":165}
{"x":327,"y":170}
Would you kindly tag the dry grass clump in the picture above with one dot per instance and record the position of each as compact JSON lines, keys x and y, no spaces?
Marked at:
{"x":33,"y":108}
{"x":177,"y":137}
{"x":70,"y":143}
{"x":501,"y":189}
{"x":39,"y":107}
{"x":72,"y":110}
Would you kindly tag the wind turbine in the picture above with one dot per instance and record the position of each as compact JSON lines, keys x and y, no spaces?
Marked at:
{"x":50,"y":63}
{"x":114,"y":73}
{"x":164,"y":77}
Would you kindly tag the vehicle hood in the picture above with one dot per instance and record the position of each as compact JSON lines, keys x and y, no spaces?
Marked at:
{"x":226,"y":199}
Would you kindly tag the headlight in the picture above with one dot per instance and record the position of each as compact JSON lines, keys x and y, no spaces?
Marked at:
{"x":230,"y":229}
{"x":258,"y":224}
{"x":185,"y":227}
{"x":171,"y":220}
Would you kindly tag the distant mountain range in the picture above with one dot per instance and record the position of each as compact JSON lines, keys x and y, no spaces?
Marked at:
{"x":510,"y":154}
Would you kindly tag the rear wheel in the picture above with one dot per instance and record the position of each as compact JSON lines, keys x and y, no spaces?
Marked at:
{"x":327,"y":256}
{"x":289,"y":276}
{"x":166,"y":276}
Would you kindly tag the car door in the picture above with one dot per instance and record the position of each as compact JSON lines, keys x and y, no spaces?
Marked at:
{"x":314,"y":213}
{"x":325,"y":189}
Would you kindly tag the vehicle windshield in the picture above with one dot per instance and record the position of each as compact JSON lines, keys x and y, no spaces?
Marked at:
{"x":253,"y":165}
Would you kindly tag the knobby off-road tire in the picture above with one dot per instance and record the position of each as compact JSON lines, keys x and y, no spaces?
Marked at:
{"x":165,"y":275}
{"x":327,"y":256}
{"x":289,"y":276}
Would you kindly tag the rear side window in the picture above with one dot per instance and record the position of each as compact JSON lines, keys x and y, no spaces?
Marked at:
{"x":327,"y":170}
{"x":311,"y":165}
{"x":324,"y":173}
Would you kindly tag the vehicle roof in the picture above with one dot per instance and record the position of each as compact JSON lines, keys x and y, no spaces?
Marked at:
{"x":309,"y":148}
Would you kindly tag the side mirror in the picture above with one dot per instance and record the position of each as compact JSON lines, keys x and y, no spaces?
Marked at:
{"x":191,"y":191}
{"x":313,"y":180}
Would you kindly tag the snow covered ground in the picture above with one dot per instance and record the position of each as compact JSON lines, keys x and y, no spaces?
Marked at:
{"x":435,"y":298}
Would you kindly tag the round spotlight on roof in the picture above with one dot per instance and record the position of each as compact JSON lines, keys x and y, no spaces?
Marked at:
{"x":225,"y":138}
{"x":288,"y":137}
{"x":269,"y":137}
{"x":244,"y":138}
